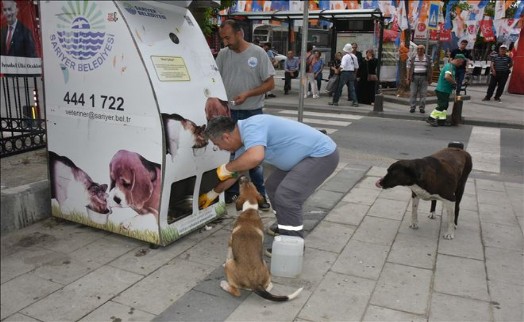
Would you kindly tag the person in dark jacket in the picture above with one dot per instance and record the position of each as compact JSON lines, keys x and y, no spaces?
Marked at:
{"x":17,"y":39}
{"x":366,"y":86}
{"x":500,"y":69}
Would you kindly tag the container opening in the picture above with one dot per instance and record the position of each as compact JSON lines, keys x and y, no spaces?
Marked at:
{"x":209,"y":181}
{"x":181,"y":199}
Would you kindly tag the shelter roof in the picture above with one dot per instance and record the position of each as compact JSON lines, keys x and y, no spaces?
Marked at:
{"x":356,"y":14}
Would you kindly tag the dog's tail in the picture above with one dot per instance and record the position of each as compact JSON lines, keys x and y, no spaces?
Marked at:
{"x":277,"y":298}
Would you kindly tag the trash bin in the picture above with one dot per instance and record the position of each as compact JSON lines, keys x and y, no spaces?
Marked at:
{"x":126,"y":89}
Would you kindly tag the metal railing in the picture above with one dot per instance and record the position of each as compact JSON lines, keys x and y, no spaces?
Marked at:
{"x":22,"y":118}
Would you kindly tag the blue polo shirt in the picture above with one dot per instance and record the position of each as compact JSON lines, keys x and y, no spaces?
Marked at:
{"x":287,"y":142}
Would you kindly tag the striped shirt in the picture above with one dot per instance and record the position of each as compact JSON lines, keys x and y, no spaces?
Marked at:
{"x":502,"y":64}
{"x":420,"y":65}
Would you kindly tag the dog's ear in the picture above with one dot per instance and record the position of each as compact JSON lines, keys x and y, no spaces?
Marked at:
{"x":141,"y":185}
{"x":240,"y":202}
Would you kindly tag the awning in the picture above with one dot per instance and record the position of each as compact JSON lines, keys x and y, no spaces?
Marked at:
{"x":357,"y":14}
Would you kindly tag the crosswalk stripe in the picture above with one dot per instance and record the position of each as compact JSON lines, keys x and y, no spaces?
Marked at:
{"x":484,"y":147}
{"x":319,"y":122}
{"x":331,"y":115}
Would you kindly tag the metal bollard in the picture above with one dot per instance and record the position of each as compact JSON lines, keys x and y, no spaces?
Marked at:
{"x":456,"y":115}
{"x":378,"y":106}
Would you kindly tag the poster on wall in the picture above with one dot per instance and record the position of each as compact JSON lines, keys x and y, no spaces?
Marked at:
{"x":20,"y":45}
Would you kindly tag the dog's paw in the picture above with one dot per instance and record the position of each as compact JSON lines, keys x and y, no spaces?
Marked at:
{"x":413,"y":226}
{"x":431,"y":215}
{"x":224,"y":285}
{"x":449,"y":236}
{"x":269,"y":287}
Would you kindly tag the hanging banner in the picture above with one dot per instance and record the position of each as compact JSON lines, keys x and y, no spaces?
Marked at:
{"x":486,"y":29}
{"x":433,"y":15}
{"x":20,"y":47}
{"x":421,"y":32}
{"x":472,"y":27}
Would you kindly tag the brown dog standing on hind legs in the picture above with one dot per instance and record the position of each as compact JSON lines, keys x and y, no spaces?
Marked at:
{"x":245,"y":266}
{"x":440,"y":176}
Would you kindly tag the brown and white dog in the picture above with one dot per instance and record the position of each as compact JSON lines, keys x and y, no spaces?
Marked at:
{"x":245,"y":266}
{"x":440,"y":176}
{"x":135,"y":183}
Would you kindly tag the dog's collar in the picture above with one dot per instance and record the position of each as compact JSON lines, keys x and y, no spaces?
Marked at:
{"x":248,"y":205}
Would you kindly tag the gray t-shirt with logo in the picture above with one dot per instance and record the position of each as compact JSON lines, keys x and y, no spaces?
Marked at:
{"x":244,"y":71}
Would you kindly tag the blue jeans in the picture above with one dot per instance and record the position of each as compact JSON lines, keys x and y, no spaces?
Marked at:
{"x":346,"y":77}
{"x":257,"y":173}
{"x":459,"y":76}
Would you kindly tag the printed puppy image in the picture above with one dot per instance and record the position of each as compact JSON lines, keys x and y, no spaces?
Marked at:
{"x":135,"y":183}
{"x":216,"y":107}
{"x":440,"y":176}
{"x":178,"y":130}
{"x":245,"y":266}
{"x":73,"y":189}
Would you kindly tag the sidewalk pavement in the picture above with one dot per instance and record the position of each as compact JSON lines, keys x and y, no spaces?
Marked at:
{"x":362,"y":262}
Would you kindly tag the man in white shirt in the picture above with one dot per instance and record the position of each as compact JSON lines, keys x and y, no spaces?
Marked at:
{"x":348,"y":70}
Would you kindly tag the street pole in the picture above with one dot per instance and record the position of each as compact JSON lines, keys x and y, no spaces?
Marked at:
{"x":303,"y":76}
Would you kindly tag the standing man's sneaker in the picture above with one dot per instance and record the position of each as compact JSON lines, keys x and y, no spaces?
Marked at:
{"x":264,"y":205}
{"x":485,"y":99}
{"x":271,"y":95}
{"x":354,"y":104}
{"x":412,"y":109}
{"x":333,"y":103}
{"x":422,"y":110}
{"x":497,"y":99}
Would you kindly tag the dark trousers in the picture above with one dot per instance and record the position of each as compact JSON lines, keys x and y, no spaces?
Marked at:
{"x":346,"y":77}
{"x":256,"y":174}
{"x":459,"y":77}
{"x":442,"y":101}
{"x":499,"y":81}
{"x":288,"y":76}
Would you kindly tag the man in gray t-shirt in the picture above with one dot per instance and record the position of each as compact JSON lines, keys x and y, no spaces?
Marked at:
{"x":247,"y":74}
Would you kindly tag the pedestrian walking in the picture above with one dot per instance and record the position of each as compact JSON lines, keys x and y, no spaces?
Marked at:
{"x":445,"y":86}
{"x":247,"y":74}
{"x":348,"y":69}
{"x":419,"y":76}
{"x":500,"y":69}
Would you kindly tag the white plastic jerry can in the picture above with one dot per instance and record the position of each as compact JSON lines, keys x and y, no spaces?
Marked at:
{"x":287,"y":256}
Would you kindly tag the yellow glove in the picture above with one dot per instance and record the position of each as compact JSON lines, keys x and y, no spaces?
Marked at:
{"x":224,"y":174}
{"x":207,"y":199}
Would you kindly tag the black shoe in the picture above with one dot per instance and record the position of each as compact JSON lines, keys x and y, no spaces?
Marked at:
{"x":231,"y":197}
{"x":497,"y":99}
{"x":273,"y":230}
{"x":422,"y":110}
{"x":264,"y":205}
{"x":485,"y":99}
{"x":285,"y":92}
{"x":431,"y":121}
{"x":412,"y":110}
{"x":333,"y":103}
{"x":271,"y":95}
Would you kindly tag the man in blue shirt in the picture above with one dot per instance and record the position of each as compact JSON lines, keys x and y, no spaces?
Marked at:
{"x":303,"y":158}
{"x":291,"y":68}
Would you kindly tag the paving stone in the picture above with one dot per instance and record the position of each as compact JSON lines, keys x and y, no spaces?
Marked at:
{"x":467,"y":242}
{"x":106,"y":249}
{"x":409,"y":249}
{"x":385,"y":208}
{"x":348,"y":213}
{"x":454,"y":308}
{"x":461,"y":276}
{"x":505,"y":266}
{"x":376,"y":230}
{"x":83,"y":296}
{"x":330,"y":236}
{"x":339,"y":297}
{"x":470,"y":188}
{"x":367,"y":183}
{"x":427,"y":228}
{"x":64,"y":269}
{"x":324,"y":199}
{"x":211,"y":251}
{"x":23,"y":291}
{"x":501,"y":214}
{"x":361,"y":259}
{"x":20,"y":318}
{"x":515,"y":192}
{"x":502,"y":236}
{"x":24,"y":261}
{"x":403,"y":288}
{"x":490,"y":185}
{"x":112,"y":311}
{"x":363,"y":196}
{"x":469,"y":202}
{"x":377,"y":172}
{"x":255,"y":308}
{"x":507,"y":301}
{"x":381,"y":314}
{"x":144,"y":260}
{"x":490,"y":197}
{"x":164,"y":286}
{"x":314,"y":267}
